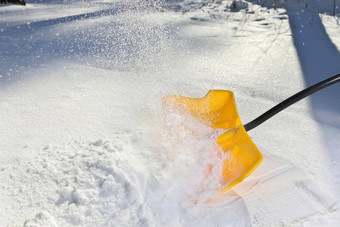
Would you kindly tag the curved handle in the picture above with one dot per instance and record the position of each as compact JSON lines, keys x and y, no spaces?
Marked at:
{"x":291,"y":100}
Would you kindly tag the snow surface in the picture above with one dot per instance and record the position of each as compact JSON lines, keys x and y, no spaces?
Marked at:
{"x":85,"y":140}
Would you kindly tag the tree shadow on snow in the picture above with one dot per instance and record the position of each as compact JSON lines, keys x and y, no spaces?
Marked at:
{"x":319,"y":59}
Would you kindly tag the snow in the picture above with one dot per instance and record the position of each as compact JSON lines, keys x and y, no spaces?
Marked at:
{"x":85,"y":140}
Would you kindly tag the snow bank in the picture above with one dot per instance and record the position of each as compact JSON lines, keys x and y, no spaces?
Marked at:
{"x":79,"y":184}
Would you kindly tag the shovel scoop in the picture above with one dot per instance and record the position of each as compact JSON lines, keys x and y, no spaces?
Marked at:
{"x":218,"y":110}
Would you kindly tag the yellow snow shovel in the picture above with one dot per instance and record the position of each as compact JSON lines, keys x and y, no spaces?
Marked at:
{"x":218,"y":110}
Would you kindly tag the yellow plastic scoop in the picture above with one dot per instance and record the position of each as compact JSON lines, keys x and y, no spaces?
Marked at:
{"x":218,"y":110}
{"x":244,"y":156}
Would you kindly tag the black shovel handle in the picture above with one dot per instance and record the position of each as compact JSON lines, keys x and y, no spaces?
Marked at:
{"x":291,"y":100}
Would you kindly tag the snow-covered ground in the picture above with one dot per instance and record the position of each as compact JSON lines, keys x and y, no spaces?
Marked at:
{"x":84,"y":139}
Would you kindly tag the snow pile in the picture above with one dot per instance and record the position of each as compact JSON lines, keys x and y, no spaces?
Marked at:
{"x":121,"y":181}
{"x":92,"y":184}
{"x":133,"y":179}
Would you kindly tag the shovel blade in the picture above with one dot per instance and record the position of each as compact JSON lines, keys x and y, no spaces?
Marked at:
{"x":243,"y":159}
{"x":218,"y":110}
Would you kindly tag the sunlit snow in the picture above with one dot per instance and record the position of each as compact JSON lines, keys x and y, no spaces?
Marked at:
{"x":86,"y":141}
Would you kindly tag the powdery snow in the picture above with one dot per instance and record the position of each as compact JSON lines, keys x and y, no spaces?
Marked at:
{"x":85,"y":139}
